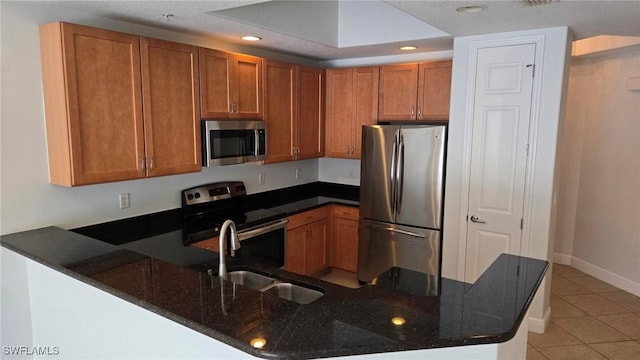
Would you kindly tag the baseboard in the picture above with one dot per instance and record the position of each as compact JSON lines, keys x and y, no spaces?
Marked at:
{"x":562,"y":259}
{"x":538,"y":325}
{"x":606,"y":276}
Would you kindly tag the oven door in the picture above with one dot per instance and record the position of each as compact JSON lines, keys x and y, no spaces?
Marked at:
{"x":233,"y":142}
{"x":263,"y":243}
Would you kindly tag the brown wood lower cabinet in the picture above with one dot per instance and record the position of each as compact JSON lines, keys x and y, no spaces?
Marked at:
{"x":322,"y":238}
{"x":307,"y":247}
{"x":344,"y":237}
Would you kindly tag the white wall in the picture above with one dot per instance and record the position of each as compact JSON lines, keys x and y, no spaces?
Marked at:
{"x":547,"y":114}
{"x":28,"y":200}
{"x":341,"y":171}
{"x":599,"y":199}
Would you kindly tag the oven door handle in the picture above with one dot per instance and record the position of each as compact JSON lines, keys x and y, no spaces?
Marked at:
{"x":262,"y":229}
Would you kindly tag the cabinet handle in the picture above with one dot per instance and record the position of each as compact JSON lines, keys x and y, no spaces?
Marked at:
{"x":151,"y":164}
{"x":413,"y":108}
{"x":142,"y":164}
{"x":231,"y":108}
{"x":419,"y":112}
{"x":236,"y":107}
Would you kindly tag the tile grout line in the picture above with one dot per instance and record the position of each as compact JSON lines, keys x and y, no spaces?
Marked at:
{"x":575,"y":274}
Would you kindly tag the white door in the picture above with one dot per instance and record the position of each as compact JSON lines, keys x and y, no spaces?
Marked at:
{"x":499,"y":149}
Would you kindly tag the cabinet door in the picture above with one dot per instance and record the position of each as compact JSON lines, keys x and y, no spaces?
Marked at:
{"x":295,"y":249}
{"x":171,"y":102}
{"x":216,"y":68}
{"x":434,"y":90}
{"x":93,"y":103}
{"x":279,"y":110}
{"x":352,"y":101}
{"x":310,"y":124}
{"x":398,"y":92}
{"x":248,"y":87}
{"x":340,"y":110}
{"x":366,"y":103}
{"x":344,"y":236}
{"x":316,"y":249}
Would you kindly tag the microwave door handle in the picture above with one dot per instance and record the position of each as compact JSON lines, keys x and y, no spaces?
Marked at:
{"x":256,"y":143}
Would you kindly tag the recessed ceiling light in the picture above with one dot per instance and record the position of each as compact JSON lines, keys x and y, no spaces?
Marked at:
{"x":408,"y":48}
{"x":251,"y":38}
{"x":471,"y":9}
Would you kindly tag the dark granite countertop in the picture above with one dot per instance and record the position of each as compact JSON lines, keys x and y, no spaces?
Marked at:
{"x":343,"y":321}
{"x":312,"y":203}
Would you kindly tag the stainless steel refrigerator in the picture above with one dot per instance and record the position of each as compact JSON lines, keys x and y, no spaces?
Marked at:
{"x":401,"y":195}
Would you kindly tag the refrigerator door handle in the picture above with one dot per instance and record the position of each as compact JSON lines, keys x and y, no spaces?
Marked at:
{"x":400,"y":174}
{"x":392,"y":229}
{"x":392,"y":189}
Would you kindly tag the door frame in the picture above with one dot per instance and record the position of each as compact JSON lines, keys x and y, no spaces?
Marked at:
{"x":538,"y":41}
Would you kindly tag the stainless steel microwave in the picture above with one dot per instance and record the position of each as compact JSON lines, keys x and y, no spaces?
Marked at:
{"x":227,"y":142}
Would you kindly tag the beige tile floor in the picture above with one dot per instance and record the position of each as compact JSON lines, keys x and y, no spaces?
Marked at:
{"x":590,"y":319}
{"x":341,"y":277}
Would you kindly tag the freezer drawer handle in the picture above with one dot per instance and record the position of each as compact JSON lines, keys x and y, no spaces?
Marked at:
{"x":476,"y":219}
{"x":400,"y":231}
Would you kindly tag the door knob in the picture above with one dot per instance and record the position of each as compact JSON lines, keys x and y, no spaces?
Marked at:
{"x":476,"y":219}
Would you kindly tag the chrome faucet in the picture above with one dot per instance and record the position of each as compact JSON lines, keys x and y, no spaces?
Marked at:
{"x":235,"y":245}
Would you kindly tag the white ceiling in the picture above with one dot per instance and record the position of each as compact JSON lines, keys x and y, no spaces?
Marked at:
{"x":347,"y":29}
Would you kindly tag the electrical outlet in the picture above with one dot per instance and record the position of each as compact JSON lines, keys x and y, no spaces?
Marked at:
{"x":298,"y":171}
{"x":351,"y":173}
{"x":124,"y":200}
{"x":261,"y":178}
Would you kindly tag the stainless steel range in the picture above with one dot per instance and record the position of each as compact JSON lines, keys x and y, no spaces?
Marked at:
{"x":262,"y":232}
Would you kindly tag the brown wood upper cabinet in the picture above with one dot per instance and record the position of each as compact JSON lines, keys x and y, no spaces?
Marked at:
{"x":293,"y":111}
{"x":415,"y":91}
{"x":230,"y":85}
{"x":352,"y":101}
{"x":96,"y":85}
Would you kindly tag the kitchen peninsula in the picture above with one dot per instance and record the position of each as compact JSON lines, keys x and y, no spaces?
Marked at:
{"x":116,"y":302}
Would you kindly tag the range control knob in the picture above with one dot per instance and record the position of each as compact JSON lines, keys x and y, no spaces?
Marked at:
{"x":197,"y":195}
{"x":189,"y":196}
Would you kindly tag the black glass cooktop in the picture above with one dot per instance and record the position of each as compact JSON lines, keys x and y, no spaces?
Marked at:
{"x":207,"y":225}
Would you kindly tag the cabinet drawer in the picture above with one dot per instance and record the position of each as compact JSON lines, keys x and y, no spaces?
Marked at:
{"x":345,"y":212}
{"x":212,"y":244}
{"x":308,"y":217}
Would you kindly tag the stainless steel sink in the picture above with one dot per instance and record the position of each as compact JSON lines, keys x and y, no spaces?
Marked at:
{"x":268,"y":285}
{"x":295,"y":293}
{"x":250,"y":279}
